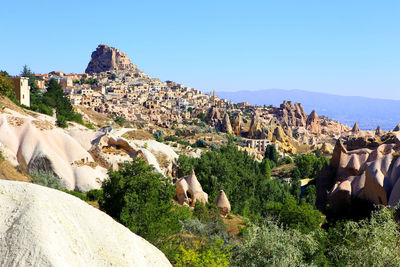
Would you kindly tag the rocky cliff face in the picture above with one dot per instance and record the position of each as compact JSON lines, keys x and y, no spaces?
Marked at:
{"x":107,"y":58}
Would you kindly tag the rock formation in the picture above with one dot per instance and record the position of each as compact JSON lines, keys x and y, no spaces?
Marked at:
{"x":279,"y":134}
{"x":292,"y":114}
{"x":226,"y":124}
{"x":189,"y":190}
{"x":38,"y":146}
{"x":371,"y":174}
{"x":107,"y":58}
{"x":397,"y":128}
{"x":312,"y":123}
{"x":213,"y":117}
{"x":378,"y":131}
{"x":355,"y":128}
{"x":237,"y":124}
{"x":256,"y":130}
{"x":223,"y":204}
{"x":40,"y":226}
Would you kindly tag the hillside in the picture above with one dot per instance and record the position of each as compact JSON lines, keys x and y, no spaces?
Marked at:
{"x":368,"y":112}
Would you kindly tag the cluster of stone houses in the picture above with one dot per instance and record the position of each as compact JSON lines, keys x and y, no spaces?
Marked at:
{"x":135,"y":96}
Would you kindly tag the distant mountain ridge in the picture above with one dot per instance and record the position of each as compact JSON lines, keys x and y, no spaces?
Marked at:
{"x":367,"y":112}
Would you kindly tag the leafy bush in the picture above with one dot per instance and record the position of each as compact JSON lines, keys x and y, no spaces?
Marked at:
{"x":308,"y":165}
{"x":46,"y":179}
{"x":370,"y":242}
{"x":214,"y":254}
{"x":61,"y":121}
{"x":272,"y":245}
{"x":95,"y":195}
{"x":302,"y":217}
{"x":201,"y":143}
{"x":120,"y":120}
{"x":142,"y":201}
{"x":158,"y":135}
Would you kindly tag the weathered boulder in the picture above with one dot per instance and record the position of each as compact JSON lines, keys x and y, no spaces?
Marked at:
{"x":40,"y":226}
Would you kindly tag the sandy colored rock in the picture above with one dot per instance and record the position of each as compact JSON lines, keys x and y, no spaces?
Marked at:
{"x":237,"y":124}
{"x":189,"y":190}
{"x":226,"y":124}
{"x":222,"y":203}
{"x":313,"y":123}
{"x":106,"y":58}
{"x":355,"y":128}
{"x":378,"y":131}
{"x":40,"y":226}
{"x":49,"y":150}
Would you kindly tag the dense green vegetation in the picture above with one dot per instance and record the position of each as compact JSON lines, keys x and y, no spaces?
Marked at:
{"x":6,"y":86}
{"x":281,"y":228}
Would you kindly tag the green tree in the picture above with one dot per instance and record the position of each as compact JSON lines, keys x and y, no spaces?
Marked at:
{"x":271,"y":154}
{"x":55,"y":98}
{"x":6,"y":86}
{"x":142,"y":201}
{"x":302,"y":217}
{"x":265,"y":167}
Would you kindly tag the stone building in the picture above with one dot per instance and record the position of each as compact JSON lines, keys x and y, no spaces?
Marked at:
{"x":22,"y":90}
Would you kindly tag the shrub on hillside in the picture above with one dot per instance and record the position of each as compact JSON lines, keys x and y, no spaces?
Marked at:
{"x":46,"y":179}
{"x":142,"y":201}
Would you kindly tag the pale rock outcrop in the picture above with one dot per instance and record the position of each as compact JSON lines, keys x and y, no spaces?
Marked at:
{"x":223,"y":204}
{"x":189,"y":190}
{"x":107,"y":58}
{"x":40,"y":226}
{"x":40,"y":146}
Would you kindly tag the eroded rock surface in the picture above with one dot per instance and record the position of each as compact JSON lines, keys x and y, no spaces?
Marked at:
{"x":40,"y":226}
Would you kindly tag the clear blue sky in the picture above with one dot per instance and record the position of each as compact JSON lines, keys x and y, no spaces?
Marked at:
{"x":341,"y":47}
